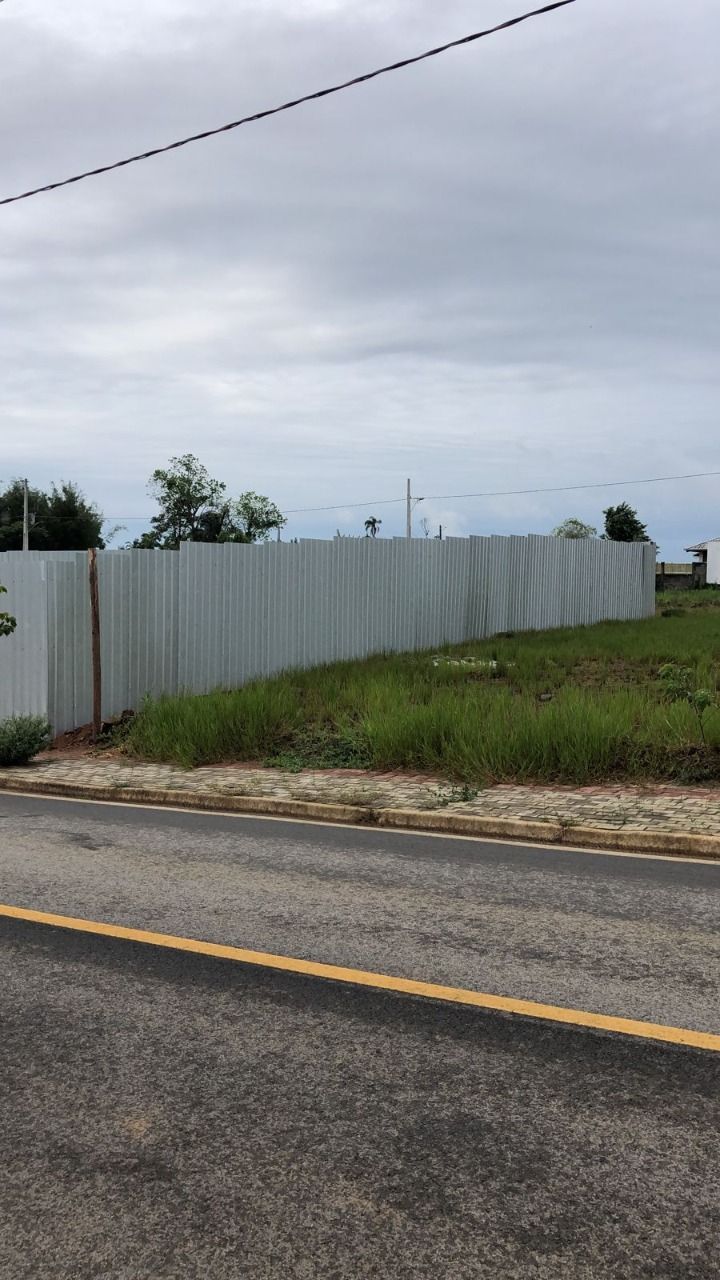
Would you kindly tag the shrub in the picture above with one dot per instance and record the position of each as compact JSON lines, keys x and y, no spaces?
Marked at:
{"x":21,"y":737}
{"x":7,"y":622}
{"x":681,"y":685}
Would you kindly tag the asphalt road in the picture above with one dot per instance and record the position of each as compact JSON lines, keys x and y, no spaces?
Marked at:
{"x":167,"y":1117}
{"x":627,"y":936}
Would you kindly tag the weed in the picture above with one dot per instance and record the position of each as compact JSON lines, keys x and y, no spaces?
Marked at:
{"x":463,"y":794}
{"x":321,"y":747}
{"x":681,"y":685}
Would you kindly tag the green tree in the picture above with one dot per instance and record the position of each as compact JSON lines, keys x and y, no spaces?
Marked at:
{"x":372,"y":525}
{"x":70,"y":523}
{"x":252,"y":518}
{"x":622,"y":525}
{"x":186,"y":494}
{"x":148,"y":541}
{"x":7,"y":622}
{"x":574,"y":528}
{"x":61,"y":520}
{"x":194,"y":508}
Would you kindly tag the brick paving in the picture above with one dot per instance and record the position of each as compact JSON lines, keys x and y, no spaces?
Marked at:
{"x":663,"y":808}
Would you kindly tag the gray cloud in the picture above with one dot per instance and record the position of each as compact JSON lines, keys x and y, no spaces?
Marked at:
{"x":495,"y":270}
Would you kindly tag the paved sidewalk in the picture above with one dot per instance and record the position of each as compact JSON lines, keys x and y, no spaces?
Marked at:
{"x":654,"y":809}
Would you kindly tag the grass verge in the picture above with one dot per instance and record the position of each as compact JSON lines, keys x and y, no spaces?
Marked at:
{"x":578,"y":706}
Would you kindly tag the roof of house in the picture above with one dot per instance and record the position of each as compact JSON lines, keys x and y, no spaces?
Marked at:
{"x":702,"y":546}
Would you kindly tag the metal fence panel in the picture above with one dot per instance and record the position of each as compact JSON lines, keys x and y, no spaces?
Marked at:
{"x":139,"y":625}
{"x":70,"y":679}
{"x":209,"y":617}
{"x":24,"y":654}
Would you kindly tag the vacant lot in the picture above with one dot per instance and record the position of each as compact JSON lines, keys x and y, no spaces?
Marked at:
{"x":578,"y":705}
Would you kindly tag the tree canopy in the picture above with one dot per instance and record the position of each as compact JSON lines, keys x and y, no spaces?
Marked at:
{"x":61,"y":520}
{"x":253,"y":517}
{"x":575,"y":528}
{"x":623,"y":525}
{"x":188,"y":499}
{"x":194,"y":508}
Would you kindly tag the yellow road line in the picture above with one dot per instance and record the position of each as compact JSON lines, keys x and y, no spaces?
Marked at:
{"x":378,"y":981}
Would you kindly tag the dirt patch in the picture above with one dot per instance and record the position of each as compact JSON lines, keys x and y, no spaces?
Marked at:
{"x":618,"y":673}
{"x":697,"y":764}
{"x":81,"y":742}
{"x":76,"y":742}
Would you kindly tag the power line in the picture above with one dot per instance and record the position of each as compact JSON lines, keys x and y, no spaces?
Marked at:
{"x":502,"y":493}
{"x":288,"y":106}
{"x":456,"y":497}
{"x":567,"y":488}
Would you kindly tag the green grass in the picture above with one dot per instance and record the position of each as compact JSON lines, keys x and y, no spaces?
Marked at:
{"x":704,"y":598}
{"x":577,"y":706}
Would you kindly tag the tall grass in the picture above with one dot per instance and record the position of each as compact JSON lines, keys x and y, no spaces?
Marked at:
{"x":194,"y":730}
{"x":578,"y":705}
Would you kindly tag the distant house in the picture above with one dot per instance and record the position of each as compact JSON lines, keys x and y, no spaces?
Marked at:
{"x":707,"y":564}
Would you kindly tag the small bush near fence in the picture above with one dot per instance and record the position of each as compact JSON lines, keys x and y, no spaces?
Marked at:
{"x":21,"y":737}
{"x":578,"y":705}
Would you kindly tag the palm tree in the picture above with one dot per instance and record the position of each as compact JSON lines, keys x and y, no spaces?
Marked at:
{"x":372,"y":524}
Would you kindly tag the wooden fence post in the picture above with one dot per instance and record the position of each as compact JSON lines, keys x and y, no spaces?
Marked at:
{"x":95,"y":643}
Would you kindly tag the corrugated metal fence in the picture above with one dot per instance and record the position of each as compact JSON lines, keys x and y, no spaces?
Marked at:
{"x":216,"y":616}
{"x":24,"y":654}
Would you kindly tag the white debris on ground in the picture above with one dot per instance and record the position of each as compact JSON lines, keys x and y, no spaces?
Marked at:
{"x":486,"y":664}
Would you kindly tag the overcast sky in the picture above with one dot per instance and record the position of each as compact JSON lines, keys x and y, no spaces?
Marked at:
{"x":495,"y":270}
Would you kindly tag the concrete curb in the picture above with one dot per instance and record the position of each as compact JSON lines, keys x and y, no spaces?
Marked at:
{"x":624,"y":840}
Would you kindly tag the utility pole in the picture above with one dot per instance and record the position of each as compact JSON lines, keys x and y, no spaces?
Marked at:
{"x":411,"y":504}
{"x":26,"y":517}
